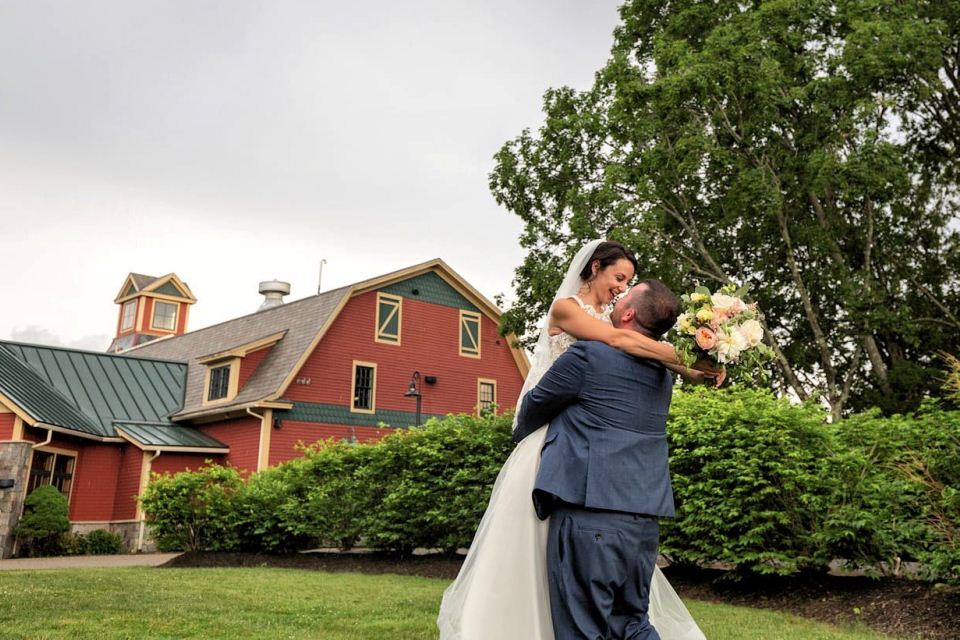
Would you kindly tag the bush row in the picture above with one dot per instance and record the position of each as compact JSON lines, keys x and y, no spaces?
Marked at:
{"x":759,"y":484}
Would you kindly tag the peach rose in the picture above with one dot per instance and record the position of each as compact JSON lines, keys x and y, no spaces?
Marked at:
{"x":706,"y":338}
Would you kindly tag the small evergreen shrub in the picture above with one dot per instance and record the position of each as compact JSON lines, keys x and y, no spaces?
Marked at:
{"x":43,"y":522}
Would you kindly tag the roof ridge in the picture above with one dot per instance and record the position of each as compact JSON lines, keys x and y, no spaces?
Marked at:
{"x":223,"y":322}
{"x":87,"y":351}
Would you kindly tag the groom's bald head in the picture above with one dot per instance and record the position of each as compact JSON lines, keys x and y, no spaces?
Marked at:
{"x":649,"y":307}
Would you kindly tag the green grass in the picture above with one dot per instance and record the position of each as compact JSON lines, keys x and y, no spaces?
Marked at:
{"x":283,"y":603}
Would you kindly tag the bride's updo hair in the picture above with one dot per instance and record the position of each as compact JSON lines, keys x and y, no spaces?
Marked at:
{"x":608,"y":252}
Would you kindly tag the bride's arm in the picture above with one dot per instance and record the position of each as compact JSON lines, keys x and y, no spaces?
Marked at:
{"x":567,"y":316}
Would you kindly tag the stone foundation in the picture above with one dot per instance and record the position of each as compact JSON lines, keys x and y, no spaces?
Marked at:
{"x":14,"y":462}
{"x":129,"y":532}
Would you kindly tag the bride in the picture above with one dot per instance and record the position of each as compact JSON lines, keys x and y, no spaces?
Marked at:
{"x":501,"y":592}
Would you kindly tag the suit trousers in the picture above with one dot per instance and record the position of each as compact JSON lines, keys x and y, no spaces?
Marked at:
{"x":600,"y":564}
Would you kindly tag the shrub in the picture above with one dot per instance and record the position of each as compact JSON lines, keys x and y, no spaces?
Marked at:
{"x":431,"y":485}
{"x":195,"y":511}
{"x":329,"y":499}
{"x":749,"y":481}
{"x":101,"y":542}
{"x":44,"y":521}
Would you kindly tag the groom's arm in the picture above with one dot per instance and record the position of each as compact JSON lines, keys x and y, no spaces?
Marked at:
{"x":558,"y":387}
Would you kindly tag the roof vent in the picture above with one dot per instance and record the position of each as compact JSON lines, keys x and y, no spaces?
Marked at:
{"x":273,"y":292}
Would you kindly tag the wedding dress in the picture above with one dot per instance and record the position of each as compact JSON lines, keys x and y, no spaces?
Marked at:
{"x":501,"y":592}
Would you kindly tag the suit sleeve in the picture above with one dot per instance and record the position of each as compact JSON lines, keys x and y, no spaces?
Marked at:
{"x":559,"y":387}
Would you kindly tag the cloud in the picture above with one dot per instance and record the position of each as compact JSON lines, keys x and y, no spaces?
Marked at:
{"x":36,"y":334}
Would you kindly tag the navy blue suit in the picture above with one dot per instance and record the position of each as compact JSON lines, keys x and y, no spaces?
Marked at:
{"x":604,"y":479}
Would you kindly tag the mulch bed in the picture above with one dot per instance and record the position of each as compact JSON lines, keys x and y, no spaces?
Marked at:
{"x":897,"y":606}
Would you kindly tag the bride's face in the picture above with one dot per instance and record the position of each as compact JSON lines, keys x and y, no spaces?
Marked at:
{"x":611,"y":281}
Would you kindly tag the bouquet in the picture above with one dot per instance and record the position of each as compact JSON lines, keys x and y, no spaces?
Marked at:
{"x":724,"y":329}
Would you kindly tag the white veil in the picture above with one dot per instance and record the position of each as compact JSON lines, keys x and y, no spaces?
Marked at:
{"x":542,"y":356}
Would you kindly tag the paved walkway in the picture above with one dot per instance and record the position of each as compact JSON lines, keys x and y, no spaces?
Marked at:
{"x":80,"y":562}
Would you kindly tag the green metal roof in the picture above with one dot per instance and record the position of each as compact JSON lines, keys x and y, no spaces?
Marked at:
{"x":23,"y":385}
{"x":87,"y":391}
{"x":167,"y":435}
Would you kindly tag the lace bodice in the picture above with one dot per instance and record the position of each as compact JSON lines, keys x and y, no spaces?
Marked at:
{"x":562,"y":341}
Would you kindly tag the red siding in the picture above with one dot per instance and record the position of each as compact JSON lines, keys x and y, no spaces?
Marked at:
{"x":176,"y":462}
{"x":283,"y":441}
{"x":243,"y":437}
{"x":128,"y":483}
{"x":250,"y":363}
{"x":430,"y":342}
{"x":182,"y":318}
{"x":95,"y":482}
{"x":147,"y":315}
{"x":6,"y":425}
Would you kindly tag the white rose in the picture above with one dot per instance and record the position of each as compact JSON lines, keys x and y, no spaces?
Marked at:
{"x":727,"y":305}
{"x":729,"y":346}
{"x":752,"y":332}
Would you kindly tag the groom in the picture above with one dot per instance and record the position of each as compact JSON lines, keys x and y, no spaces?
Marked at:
{"x":603,"y":477}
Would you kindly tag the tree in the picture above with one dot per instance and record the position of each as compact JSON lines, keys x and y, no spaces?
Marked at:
{"x":788,"y":144}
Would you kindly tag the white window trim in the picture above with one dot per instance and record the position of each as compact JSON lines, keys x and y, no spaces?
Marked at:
{"x":233,"y":385}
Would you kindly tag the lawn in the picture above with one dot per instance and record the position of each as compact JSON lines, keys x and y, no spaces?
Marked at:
{"x":283,"y":603}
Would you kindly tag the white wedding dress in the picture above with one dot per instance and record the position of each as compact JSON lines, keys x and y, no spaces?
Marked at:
{"x":501,"y":592}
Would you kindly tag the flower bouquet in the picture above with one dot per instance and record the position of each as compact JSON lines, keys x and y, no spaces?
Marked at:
{"x":725,"y":330}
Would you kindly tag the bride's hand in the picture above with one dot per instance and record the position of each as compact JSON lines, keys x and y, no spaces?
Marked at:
{"x":710,"y":372}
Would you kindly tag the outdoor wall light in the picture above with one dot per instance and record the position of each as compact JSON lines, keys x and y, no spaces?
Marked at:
{"x":277,"y":423}
{"x":7,"y":483}
{"x":413,"y":391}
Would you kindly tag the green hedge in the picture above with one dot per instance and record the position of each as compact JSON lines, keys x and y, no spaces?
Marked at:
{"x":760,"y":484}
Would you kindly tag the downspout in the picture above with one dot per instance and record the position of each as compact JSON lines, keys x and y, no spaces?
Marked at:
{"x":49,"y":437}
{"x":156,"y":454}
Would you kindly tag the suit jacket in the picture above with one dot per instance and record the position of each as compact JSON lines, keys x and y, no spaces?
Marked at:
{"x":606,"y":446}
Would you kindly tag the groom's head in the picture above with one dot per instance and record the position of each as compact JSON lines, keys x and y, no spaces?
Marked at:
{"x":649,"y":307}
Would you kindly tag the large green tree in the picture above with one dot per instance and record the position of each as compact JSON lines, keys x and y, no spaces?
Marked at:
{"x":807,"y":147}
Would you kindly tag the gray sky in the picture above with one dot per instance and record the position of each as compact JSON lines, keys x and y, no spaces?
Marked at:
{"x":235,"y":141}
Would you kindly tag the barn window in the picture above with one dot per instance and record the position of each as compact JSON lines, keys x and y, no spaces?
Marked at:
{"x":219,"y":385}
{"x":486,"y":396}
{"x":389,"y":315}
{"x":364,"y":389}
{"x":129,"y":313}
{"x":164,"y":316}
{"x":470,"y":334}
{"x":53,"y":468}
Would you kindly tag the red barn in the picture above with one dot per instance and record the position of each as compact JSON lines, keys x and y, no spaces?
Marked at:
{"x":349,"y":363}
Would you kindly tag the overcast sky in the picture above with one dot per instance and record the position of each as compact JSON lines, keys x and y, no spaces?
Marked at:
{"x":235,"y":141}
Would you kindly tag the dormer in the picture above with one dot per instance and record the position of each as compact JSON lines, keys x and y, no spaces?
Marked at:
{"x":151,"y":308}
{"x":227,"y":371}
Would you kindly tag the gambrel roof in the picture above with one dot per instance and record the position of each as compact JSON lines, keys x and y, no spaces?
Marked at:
{"x":305,"y":322}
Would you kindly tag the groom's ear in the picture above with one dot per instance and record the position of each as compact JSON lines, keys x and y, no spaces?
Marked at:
{"x":627,"y":316}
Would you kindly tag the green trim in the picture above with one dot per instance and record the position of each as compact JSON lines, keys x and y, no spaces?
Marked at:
{"x":130,"y":291}
{"x":433,"y":289}
{"x":337,"y":414}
